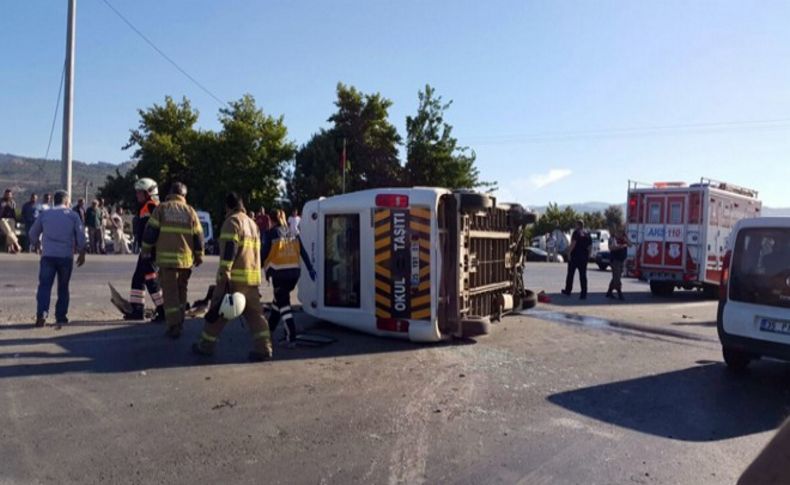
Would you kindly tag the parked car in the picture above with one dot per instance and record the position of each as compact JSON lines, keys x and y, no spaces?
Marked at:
{"x":603,"y":259}
{"x":753,"y":317}
{"x":537,"y":254}
{"x":211,"y":243}
{"x":600,"y":242}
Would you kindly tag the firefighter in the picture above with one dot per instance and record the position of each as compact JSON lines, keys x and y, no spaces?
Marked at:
{"x":174,"y":237}
{"x":239,"y":272}
{"x":145,"y":273}
{"x":281,"y":254}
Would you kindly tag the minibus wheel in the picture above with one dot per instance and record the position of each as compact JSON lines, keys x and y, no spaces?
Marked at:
{"x":473,"y":201}
{"x":530,"y":300}
{"x":736,"y":360}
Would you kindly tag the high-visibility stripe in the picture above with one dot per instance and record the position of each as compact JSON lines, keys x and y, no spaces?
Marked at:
{"x":425,"y":257}
{"x":263,"y":334}
{"x":423,"y":213}
{"x":421,"y":314}
{"x":225,"y":264}
{"x":424,"y":285}
{"x":381,"y":313}
{"x":383,"y":256}
{"x":282,"y":266}
{"x":419,"y":227}
{"x":153,"y":222}
{"x":158,"y":298}
{"x":420,"y":300}
{"x":425,"y":244}
{"x":383,"y":229}
{"x":208,"y":337}
{"x":425,"y":271}
{"x":176,"y":230}
{"x":229,"y":237}
{"x":383,"y":242}
{"x":382,"y":299}
{"x":383,"y":286}
{"x":385,"y":272}
{"x":171,"y":310}
{"x":380,"y":215}
{"x":150,"y":276}
{"x":250,"y":243}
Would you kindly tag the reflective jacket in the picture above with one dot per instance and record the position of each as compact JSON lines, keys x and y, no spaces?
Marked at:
{"x":142,"y":217}
{"x":175,"y":231}
{"x":240,"y":251}
{"x":281,"y":252}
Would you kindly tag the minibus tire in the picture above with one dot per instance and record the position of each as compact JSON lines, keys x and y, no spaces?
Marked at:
{"x":530,"y":300}
{"x":473,"y":202}
{"x":736,"y":360}
{"x":473,"y":327}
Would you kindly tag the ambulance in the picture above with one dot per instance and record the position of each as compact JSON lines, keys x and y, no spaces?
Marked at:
{"x":680,"y":231}
{"x":424,"y":264}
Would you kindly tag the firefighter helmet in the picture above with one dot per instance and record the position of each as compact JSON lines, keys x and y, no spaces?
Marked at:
{"x":147,"y":185}
{"x":232,"y":305}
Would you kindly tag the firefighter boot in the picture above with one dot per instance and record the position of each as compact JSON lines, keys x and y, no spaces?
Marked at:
{"x":138,"y":312}
{"x":159,"y":315}
{"x":262,"y":347}
{"x":204,"y":347}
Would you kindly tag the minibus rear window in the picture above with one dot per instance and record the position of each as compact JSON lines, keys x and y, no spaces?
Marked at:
{"x":341,"y":256}
{"x":760,"y":270}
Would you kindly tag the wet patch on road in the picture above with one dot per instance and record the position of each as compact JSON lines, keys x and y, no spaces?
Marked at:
{"x":605,"y":324}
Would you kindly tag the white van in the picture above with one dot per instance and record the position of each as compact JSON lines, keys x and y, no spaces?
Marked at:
{"x":211,"y":244}
{"x":754,"y":305}
{"x":426,"y":264}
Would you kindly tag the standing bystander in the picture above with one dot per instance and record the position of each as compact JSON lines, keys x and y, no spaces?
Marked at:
{"x":293,"y":223}
{"x":581,"y":246}
{"x":61,"y":232}
{"x":118,"y":239}
{"x":80,"y":209}
{"x":28,"y":218}
{"x":618,"y":249}
{"x":93,"y":221}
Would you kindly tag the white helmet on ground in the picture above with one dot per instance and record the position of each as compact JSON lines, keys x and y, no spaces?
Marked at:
{"x":232,"y":305}
{"x":147,"y":185}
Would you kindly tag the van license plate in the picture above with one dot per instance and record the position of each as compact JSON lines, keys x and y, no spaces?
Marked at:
{"x":773,"y":325}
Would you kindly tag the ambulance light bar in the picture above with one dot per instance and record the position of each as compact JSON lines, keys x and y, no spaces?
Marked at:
{"x":392,"y":200}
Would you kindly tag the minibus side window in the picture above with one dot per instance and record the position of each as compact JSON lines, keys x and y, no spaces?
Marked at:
{"x":341,"y":261}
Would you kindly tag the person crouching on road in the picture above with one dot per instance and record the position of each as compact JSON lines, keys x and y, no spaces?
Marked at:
{"x":239,"y":271}
{"x":174,"y":233}
{"x":62,"y":231}
{"x":281,"y":254}
{"x":618,"y":247}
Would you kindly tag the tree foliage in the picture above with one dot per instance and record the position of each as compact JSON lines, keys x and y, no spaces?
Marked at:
{"x":248,"y":155}
{"x":614,"y":217}
{"x":433,"y":157}
{"x":316,"y":170}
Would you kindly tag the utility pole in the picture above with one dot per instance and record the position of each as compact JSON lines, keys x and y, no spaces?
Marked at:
{"x":68,"y":100}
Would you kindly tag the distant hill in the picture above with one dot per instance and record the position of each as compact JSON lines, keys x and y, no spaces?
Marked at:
{"x":24,"y":175}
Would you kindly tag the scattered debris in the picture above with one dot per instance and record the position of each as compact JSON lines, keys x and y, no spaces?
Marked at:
{"x":543,"y":297}
{"x":224,"y":404}
{"x":143,"y":373}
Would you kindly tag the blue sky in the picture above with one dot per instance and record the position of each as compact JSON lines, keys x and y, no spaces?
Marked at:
{"x":556,"y":97}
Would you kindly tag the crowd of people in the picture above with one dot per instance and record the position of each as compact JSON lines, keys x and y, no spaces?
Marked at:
{"x":96,"y":219}
{"x":171,"y":243}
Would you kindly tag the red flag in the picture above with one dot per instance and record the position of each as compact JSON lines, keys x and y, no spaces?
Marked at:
{"x":343,"y":158}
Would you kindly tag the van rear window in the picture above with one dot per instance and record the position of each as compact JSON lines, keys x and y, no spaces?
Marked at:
{"x":341,"y":256}
{"x":760,"y":270}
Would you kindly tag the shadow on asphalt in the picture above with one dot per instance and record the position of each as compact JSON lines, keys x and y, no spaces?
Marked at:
{"x":631,"y":298}
{"x":114,"y":347}
{"x":703,"y":403}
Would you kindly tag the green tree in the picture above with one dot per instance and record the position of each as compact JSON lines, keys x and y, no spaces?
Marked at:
{"x":433,"y":157}
{"x":316,"y":170}
{"x":248,"y":155}
{"x":118,"y":189}
{"x":614,"y":217}
{"x":252,"y":154}
{"x":594,"y":220}
{"x":371,"y":140}
{"x":555,"y":218}
{"x":163,"y":142}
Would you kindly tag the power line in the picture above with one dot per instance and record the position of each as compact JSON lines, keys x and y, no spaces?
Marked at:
{"x":54,"y":119}
{"x":634,"y":132}
{"x":161,"y":53}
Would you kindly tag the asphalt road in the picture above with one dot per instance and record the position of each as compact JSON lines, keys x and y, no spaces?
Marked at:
{"x":571,"y":392}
